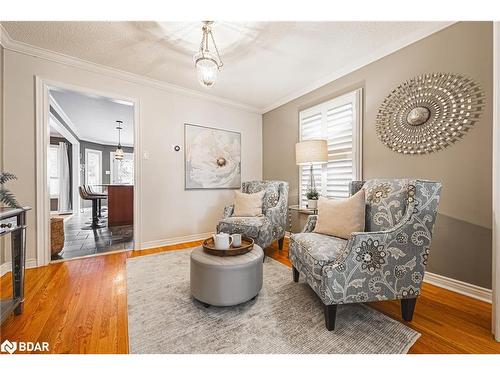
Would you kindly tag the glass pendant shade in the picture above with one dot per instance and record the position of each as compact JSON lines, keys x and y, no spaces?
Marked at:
{"x":207,"y":63}
{"x":119,"y":153}
{"x":119,"y":150}
{"x":206,"y":70}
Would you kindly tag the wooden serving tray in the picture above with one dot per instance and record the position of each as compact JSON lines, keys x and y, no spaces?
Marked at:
{"x":246,"y":246}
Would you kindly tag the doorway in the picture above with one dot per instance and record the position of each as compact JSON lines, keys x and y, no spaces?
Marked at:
{"x":89,"y":204}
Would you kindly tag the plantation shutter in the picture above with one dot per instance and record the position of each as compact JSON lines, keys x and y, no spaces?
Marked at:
{"x":338,"y":122}
{"x":310,"y":128}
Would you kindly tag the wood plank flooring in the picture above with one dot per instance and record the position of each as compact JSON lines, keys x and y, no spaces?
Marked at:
{"x":80,"y":306}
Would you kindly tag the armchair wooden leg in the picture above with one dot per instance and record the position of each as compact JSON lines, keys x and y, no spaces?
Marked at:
{"x":280,"y":243}
{"x":407,"y":308}
{"x":296,"y":274}
{"x":330,"y":315}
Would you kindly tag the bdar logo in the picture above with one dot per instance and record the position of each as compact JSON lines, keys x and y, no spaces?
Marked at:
{"x":24,"y":346}
{"x":9,"y":347}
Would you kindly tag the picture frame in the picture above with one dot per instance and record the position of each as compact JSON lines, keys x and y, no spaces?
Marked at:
{"x":212,"y":158}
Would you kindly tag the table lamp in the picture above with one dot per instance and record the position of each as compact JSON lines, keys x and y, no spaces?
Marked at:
{"x":309,"y":153}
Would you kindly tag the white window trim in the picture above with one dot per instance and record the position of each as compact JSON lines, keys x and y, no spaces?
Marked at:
{"x":111,"y":161}
{"x":87,"y":151}
{"x":357,"y":135}
{"x":52,"y":196}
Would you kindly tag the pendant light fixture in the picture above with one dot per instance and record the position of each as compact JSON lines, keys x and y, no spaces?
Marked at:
{"x":206,"y":62}
{"x":119,"y":150}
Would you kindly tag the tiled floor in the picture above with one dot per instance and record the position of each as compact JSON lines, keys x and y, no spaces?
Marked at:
{"x":80,"y":240}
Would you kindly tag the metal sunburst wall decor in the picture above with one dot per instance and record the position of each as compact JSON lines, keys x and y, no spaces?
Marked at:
{"x":429,"y":112}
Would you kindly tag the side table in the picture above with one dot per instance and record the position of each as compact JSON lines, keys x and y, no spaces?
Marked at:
{"x":13,"y":221}
{"x":301,"y":210}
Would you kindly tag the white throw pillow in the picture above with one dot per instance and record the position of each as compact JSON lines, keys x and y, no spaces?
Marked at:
{"x":340,"y":218}
{"x":248,"y":204}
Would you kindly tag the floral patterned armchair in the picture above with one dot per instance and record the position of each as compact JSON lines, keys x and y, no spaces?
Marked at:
{"x":263,"y":229}
{"x":386,"y":262}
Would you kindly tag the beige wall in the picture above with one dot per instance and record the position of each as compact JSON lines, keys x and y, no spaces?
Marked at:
{"x":168,"y":211}
{"x":460,"y":250}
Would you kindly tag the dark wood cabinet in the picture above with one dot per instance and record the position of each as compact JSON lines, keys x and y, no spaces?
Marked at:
{"x":120,"y":205}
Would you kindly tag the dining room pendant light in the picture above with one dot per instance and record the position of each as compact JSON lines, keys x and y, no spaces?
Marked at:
{"x":207,"y":61}
{"x":119,"y":150}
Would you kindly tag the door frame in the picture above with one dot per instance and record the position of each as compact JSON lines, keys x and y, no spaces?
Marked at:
{"x":496,"y":183}
{"x":42,"y":114}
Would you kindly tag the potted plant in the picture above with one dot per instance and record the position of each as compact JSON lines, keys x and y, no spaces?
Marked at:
{"x":312,"y":198}
{"x":6,"y":197}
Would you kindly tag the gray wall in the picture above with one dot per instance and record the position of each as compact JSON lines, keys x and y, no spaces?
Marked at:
{"x":461,"y":247}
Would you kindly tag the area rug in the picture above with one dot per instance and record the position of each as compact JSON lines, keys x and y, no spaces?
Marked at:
{"x":286,"y":317}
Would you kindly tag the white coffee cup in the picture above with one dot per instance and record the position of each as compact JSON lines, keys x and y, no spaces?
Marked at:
{"x":222,"y":241}
{"x":236,"y":239}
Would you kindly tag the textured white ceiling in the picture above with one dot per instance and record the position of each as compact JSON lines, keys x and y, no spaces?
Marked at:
{"x":265,"y":63}
{"x":94,"y":117}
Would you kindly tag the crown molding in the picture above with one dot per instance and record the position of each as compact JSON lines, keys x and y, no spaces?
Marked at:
{"x":27,"y":49}
{"x":383,"y":51}
{"x":53,"y":103}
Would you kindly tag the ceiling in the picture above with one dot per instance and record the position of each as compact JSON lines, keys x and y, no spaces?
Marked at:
{"x":265,"y":63}
{"x":93,"y":118}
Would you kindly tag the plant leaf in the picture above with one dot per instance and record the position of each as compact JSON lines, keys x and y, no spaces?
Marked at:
{"x":6,"y":176}
{"x":7,"y":198}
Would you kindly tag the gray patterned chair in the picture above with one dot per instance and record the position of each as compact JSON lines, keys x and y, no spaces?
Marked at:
{"x":386,"y":262}
{"x":263,"y":229}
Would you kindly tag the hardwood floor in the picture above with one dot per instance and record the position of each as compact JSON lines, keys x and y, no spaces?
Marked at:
{"x":80,"y":306}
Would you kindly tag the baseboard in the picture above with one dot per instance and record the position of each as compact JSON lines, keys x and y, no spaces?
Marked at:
{"x":7,"y":266}
{"x":174,"y":240}
{"x":461,"y":287}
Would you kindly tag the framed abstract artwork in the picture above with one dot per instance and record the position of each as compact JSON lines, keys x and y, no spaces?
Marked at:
{"x":212,"y":158}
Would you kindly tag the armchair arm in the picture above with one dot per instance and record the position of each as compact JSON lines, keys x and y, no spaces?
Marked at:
{"x":277,"y":215}
{"x":228,"y":211}
{"x":376,"y":266}
{"x":310,"y":223}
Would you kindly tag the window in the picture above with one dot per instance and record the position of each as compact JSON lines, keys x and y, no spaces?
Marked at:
{"x":93,"y":167}
{"x":339,"y":122}
{"x":53,"y":171}
{"x":122,"y":171}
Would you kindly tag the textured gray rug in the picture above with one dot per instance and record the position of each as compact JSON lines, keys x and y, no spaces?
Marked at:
{"x":285,"y":317}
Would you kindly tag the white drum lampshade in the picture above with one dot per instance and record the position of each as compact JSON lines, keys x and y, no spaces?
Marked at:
{"x":311,"y":152}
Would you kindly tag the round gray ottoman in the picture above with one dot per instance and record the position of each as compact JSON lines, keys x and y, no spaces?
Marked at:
{"x":226,"y":281}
